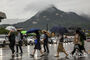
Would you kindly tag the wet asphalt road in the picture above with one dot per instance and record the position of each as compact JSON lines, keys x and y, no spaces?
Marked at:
{"x":5,"y":53}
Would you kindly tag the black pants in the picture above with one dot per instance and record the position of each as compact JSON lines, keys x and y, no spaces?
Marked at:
{"x":82,"y":47}
{"x":77,"y":46}
{"x":46,"y":49}
{"x":11,"y":46}
{"x":19,"y":45}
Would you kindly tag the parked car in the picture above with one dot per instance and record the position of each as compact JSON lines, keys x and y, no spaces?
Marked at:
{"x":3,"y":40}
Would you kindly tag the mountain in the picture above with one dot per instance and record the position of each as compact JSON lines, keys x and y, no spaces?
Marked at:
{"x":53,"y":16}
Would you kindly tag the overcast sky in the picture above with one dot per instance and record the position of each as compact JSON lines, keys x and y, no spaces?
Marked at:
{"x":22,"y":9}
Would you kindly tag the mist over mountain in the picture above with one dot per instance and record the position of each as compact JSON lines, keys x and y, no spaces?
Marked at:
{"x":53,"y":16}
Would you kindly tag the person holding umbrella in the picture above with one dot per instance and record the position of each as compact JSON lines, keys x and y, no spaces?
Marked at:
{"x":37,"y":41}
{"x":60,"y":46}
{"x":45,"y":39}
{"x":11,"y":37}
{"x":60,"y":31}
{"x":77,"y":43}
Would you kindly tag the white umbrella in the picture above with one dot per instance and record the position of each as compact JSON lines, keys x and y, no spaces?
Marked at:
{"x":10,"y":28}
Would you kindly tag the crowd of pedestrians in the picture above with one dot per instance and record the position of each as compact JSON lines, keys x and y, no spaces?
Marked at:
{"x":79,"y":39}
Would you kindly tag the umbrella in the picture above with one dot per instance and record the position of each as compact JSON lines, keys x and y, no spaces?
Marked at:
{"x":10,"y":28}
{"x":59,"y":29}
{"x":32,"y":34}
{"x":33,"y":30}
{"x":23,"y":32}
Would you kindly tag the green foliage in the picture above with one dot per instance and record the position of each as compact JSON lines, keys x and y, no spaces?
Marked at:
{"x":3,"y":31}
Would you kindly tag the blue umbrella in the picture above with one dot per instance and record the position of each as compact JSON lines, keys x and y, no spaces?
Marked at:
{"x":54,"y":29}
{"x":33,"y":30}
{"x":59,"y":29}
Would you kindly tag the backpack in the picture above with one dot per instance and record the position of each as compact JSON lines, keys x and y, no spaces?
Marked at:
{"x":83,"y":35}
{"x":21,"y":36}
{"x":35,"y":41}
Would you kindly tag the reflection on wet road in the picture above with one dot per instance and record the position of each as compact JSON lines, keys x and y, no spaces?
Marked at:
{"x":5,"y":53}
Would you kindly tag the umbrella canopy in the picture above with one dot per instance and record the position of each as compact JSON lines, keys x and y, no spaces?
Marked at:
{"x":31,"y":34}
{"x":33,"y":30}
{"x":23,"y":32}
{"x":59,"y":29}
{"x":10,"y":28}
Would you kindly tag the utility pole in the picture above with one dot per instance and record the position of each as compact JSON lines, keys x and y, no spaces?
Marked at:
{"x":47,"y":27}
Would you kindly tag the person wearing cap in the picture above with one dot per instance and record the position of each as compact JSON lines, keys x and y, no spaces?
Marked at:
{"x":45,"y":42}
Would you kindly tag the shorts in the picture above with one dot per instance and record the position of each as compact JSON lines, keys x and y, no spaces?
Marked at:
{"x":37,"y":46}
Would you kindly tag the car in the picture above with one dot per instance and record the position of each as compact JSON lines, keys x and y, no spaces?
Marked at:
{"x":53,"y":40}
{"x":3,"y":40}
{"x":30,"y":40}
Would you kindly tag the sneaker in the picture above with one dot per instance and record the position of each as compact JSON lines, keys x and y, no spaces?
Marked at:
{"x":66,"y":57}
{"x":16,"y":55}
{"x":13,"y":55}
{"x":71,"y":55}
{"x":42,"y":55}
{"x":21,"y":54}
{"x":31,"y":55}
{"x":56,"y":56}
{"x":47,"y":51}
{"x":80,"y":54}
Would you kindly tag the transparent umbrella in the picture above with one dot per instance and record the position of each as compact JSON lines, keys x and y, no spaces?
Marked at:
{"x":10,"y":28}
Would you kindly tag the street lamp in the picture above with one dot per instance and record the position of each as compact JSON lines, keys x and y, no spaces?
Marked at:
{"x":47,"y":27}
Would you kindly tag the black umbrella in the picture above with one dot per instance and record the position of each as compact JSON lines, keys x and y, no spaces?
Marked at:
{"x":59,"y":29}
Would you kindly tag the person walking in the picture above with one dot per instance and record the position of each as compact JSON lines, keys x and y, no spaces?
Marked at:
{"x":19,"y":41}
{"x":11,"y":36}
{"x":45,"y":40}
{"x":77,"y":43}
{"x":82,"y":40}
{"x":60,"y":46}
{"x":37,"y":44}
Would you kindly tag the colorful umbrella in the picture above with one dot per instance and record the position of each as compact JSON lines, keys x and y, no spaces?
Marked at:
{"x":23,"y":32}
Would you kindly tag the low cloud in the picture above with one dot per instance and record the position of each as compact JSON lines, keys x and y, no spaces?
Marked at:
{"x":27,"y":8}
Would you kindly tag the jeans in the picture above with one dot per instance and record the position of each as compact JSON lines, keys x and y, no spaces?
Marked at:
{"x":46,"y":49}
{"x":11,"y":46}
